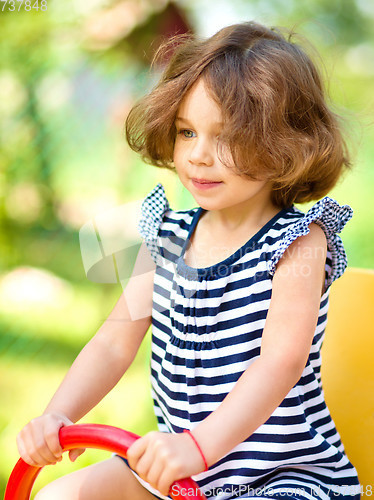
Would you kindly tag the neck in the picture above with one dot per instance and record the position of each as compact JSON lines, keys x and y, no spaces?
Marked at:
{"x":253,"y":212}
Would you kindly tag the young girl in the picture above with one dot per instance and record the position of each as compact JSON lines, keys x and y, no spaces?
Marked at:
{"x":239,"y":295}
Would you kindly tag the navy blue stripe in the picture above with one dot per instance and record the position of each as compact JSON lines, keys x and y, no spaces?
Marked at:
{"x":191,"y":305}
{"x":228,"y":305}
{"x":222,"y":325}
{"x":217,"y":362}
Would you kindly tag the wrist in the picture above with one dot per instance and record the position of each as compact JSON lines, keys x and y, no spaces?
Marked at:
{"x":198,"y":447}
{"x":59,"y":415}
{"x":211,"y":439}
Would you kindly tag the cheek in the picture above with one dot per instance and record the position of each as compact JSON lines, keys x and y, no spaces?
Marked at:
{"x":179,"y":162}
{"x":179,"y":153}
{"x":243,"y":188}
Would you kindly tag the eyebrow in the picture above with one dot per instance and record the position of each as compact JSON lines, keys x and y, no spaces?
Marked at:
{"x":180,"y":118}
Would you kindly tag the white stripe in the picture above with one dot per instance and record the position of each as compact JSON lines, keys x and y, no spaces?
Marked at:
{"x":208,"y":354}
{"x":164,"y":370}
{"x":221,"y":317}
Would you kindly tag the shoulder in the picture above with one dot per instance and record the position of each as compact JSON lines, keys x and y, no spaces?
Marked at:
{"x":153,"y":208}
{"x":157,"y":214}
{"x":315,"y":239}
{"x":307,"y":251}
{"x":310,"y":235}
{"x":163,"y":229}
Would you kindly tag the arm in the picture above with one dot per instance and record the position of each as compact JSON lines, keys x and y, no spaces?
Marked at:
{"x":287,"y":337}
{"x":101,"y":363}
{"x":286,"y":341}
{"x":96,"y":370}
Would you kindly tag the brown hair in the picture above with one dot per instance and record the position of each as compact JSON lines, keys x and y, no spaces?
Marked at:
{"x":277,"y":124}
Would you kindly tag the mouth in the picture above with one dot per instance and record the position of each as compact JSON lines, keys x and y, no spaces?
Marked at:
{"x":205,"y":183}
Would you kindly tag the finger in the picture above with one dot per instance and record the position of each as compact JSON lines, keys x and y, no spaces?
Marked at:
{"x":74,"y":454}
{"x":154,"y":473}
{"x":144,"y":464}
{"x":135,"y":451}
{"x":32,"y":446}
{"x":39,"y":447}
{"x":26,"y":448}
{"x":24,"y":455}
{"x":51,"y":437}
{"x":37,"y":458}
{"x":164,"y":482}
{"x":44,"y":457}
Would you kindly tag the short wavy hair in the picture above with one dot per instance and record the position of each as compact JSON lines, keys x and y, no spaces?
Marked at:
{"x":277,"y":124}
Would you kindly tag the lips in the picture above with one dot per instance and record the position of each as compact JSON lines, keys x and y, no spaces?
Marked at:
{"x":205,"y":181}
{"x":205,"y":184}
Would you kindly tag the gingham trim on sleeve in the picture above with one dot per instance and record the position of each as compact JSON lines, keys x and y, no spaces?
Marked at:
{"x":152,"y":210}
{"x":331,"y":217}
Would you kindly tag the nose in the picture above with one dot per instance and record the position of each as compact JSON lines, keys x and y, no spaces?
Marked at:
{"x":202,"y":152}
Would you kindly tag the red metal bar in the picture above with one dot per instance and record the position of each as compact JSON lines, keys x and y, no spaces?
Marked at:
{"x":103,"y":437}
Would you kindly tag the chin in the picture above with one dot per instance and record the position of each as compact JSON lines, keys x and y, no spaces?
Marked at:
{"x":208,"y":204}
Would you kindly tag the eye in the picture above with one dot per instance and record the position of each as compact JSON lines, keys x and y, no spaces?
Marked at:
{"x":186,"y":133}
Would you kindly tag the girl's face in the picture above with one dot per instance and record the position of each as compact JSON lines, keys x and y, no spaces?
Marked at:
{"x":214,"y":185}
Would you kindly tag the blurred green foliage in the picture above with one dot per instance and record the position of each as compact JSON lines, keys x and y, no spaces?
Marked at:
{"x":64,"y":95}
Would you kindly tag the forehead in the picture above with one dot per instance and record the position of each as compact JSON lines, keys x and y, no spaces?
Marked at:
{"x":199,"y":103}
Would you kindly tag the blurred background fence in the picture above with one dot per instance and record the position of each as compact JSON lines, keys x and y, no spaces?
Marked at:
{"x":68,"y":76}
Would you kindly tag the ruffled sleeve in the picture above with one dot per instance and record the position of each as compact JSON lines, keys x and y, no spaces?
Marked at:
{"x":153,"y":208}
{"x":331,"y":217}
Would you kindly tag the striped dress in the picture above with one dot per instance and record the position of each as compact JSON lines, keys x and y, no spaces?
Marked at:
{"x":207,"y":325}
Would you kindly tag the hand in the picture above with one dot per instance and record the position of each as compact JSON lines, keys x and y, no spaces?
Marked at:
{"x":162,"y":458}
{"x":38,"y":442}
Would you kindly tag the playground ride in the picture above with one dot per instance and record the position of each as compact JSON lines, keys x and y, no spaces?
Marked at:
{"x":103,"y":437}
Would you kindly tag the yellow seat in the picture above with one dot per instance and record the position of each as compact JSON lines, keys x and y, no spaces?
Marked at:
{"x":348,"y":368}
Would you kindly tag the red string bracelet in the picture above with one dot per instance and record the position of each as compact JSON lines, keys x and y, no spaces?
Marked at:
{"x":198,"y":447}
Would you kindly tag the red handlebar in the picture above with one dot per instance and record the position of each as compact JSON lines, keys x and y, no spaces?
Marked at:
{"x":103,"y":437}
